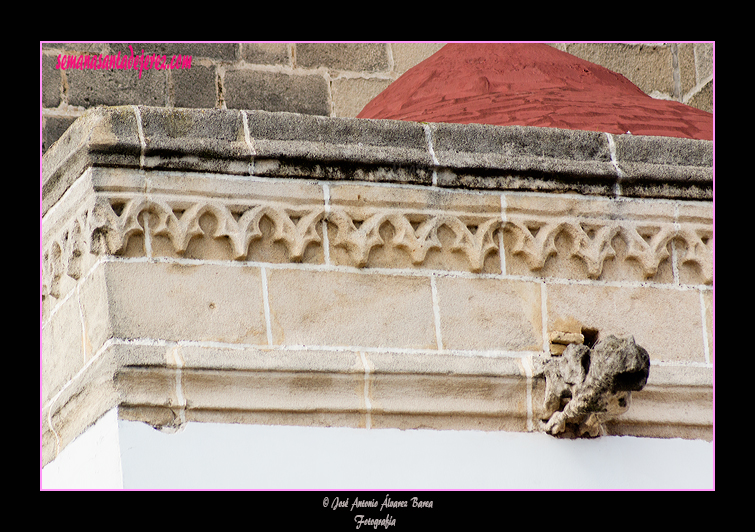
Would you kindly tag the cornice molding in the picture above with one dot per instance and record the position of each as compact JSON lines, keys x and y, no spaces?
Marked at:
{"x":290,"y":145}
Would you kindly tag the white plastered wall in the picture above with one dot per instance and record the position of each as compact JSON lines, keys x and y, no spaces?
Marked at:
{"x":116,"y":454}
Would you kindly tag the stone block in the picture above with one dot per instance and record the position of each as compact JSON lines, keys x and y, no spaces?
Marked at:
{"x":90,"y":88}
{"x":490,"y":314}
{"x":273,"y":391}
{"x":78,"y":406}
{"x":667,"y":322}
{"x":151,"y":386}
{"x":266,"y":53}
{"x":202,"y":139}
{"x":687,"y":67}
{"x":198,"y":302}
{"x":350,"y":95}
{"x":276,"y":92}
{"x":267,"y":359}
{"x":95,"y":312}
{"x":363,"y":199}
{"x":53,"y":128}
{"x":368,"y":140}
{"x":408,"y":55}
{"x":108,"y":137}
{"x":63,"y":350}
{"x":649,"y":66}
{"x":64,"y":47}
{"x":442,"y":403}
{"x":513,"y":157}
{"x":296,"y":145}
{"x":708,"y":308}
{"x":329,"y":308}
{"x":51,"y":81}
{"x":664,"y":151}
{"x":654,"y":166}
{"x":704,"y":60}
{"x":703,"y":98}
{"x":359,"y":57}
{"x":446,"y":365}
{"x":247,"y":385}
{"x":195,"y":87}
{"x":678,"y":411}
{"x":445,"y":392}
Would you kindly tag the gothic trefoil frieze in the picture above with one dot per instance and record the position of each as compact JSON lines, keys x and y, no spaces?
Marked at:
{"x":132,"y":223}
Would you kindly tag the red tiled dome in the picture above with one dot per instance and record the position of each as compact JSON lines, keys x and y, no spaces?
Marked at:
{"x":530,"y":85}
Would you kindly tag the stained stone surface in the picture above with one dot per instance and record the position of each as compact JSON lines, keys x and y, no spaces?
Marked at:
{"x":291,"y":145}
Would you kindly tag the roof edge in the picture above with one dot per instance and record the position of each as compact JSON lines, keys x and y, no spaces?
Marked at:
{"x":289,"y":145}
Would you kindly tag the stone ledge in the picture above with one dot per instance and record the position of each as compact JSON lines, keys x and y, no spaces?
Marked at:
{"x":167,"y":384}
{"x":293,"y":145}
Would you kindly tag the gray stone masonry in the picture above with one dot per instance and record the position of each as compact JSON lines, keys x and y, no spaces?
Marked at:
{"x":288,"y":145}
{"x":326,"y":79}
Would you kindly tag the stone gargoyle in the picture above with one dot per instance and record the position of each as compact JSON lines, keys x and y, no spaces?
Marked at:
{"x":586,"y":386}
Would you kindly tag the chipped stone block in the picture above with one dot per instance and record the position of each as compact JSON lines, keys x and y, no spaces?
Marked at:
{"x":557,"y":349}
{"x":566,"y":338}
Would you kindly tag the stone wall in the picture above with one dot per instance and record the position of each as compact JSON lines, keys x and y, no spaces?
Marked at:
{"x":327,"y":79}
{"x":277,"y":268}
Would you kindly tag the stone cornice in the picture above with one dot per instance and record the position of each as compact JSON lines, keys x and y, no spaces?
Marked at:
{"x":250,"y":220}
{"x":448,"y":155}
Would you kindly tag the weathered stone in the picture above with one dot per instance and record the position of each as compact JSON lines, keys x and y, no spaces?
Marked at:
{"x":407,"y":55}
{"x":51,"y":82}
{"x":648,"y":66}
{"x":489,"y":314}
{"x":276,"y":92}
{"x":296,"y":145}
{"x":54,"y":127}
{"x":102,"y":137}
{"x":370,"y":57}
{"x":350,"y":95}
{"x":202,"y":139}
{"x":652,"y":166}
{"x":194,"y":87}
{"x":519,"y":157}
{"x":90,"y":88}
{"x":186,"y":302}
{"x":597,"y":383}
{"x":345,"y":309}
{"x":266,"y":53}
{"x":566,"y":338}
{"x":667,"y":322}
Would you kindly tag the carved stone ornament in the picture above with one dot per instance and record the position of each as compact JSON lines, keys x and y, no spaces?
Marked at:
{"x":586,"y":386}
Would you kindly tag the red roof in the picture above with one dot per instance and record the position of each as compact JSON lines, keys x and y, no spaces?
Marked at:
{"x":531,"y":85}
